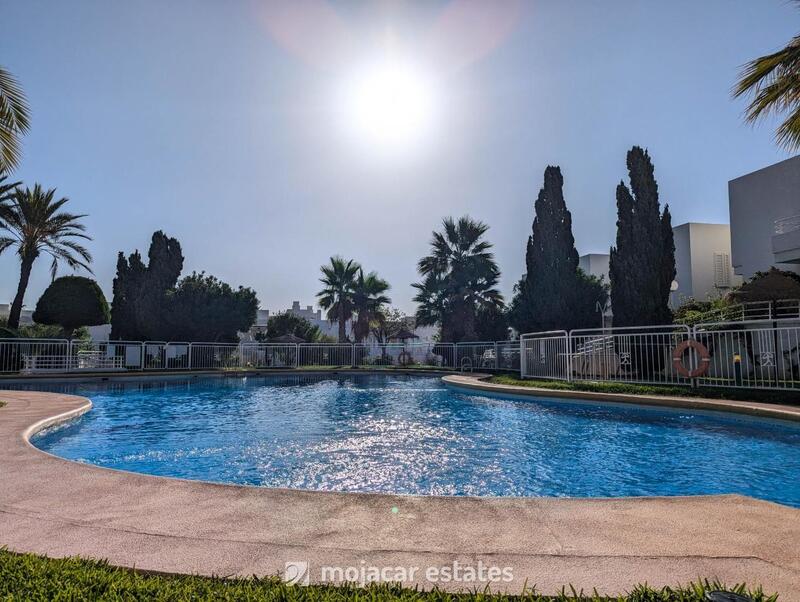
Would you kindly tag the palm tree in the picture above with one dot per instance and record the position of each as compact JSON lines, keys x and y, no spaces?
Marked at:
{"x":6,"y":190}
{"x":368,"y":302}
{"x":33,"y":224}
{"x":339,"y":278}
{"x":459,"y":278}
{"x":432,"y":303}
{"x":774,"y":81}
{"x":14,"y":120}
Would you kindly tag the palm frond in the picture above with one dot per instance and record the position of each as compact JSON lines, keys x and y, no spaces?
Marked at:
{"x":773,"y":81}
{"x":14,"y":120}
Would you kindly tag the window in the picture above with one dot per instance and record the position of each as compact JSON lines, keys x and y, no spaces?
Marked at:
{"x":722,"y":270}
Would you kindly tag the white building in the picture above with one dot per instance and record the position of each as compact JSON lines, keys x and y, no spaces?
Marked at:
{"x":702,"y":262}
{"x":317,"y":319}
{"x":595,"y":264}
{"x":262,"y":317}
{"x":765,"y":219}
{"x":25,"y":317}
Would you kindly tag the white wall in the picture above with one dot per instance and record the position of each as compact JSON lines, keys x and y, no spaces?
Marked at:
{"x":702,"y":262}
{"x":595,"y":264}
{"x":756,"y":201}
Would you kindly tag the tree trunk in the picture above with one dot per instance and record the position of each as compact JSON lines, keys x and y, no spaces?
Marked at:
{"x":16,"y":306}
{"x":342,"y":332}
{"x":469,"y":324}
{"x":362,"y":329}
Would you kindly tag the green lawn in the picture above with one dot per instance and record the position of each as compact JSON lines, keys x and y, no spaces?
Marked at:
{"x":783,"y":397}
{"x":28,"y":577}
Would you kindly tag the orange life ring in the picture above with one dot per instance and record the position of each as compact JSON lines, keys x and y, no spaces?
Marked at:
{"x":677,"y":358}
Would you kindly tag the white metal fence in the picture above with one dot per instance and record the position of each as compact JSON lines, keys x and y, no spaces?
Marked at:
{"x":39,"y":356}
{"x":545,"y":355}
{"x":762,"y":354}
{"x":634,"y":354}
{"x":433,"y":355}
{"x":756,"y":354}
{"x":785,"y":309}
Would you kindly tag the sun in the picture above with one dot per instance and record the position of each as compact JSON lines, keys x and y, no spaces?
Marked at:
{"x":390,"y":104}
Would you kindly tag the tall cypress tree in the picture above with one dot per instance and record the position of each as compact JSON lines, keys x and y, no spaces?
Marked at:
{"x":642,"y":264}
{"x":164,"y":265}
{"x":139,"y":302}
{"x":554,"y":293}
{"x":668,"y":270}
{"x":127,"y":286}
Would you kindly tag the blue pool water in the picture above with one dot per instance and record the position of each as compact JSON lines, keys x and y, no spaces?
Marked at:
{"x":387,"y":433}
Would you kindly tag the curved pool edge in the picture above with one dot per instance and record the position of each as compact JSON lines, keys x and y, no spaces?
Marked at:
{"x":478,"y":382}
{"x":134,"y":376}
{"x":58,"y":507}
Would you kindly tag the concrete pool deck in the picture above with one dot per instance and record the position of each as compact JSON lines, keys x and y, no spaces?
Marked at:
{"x":56,"y":507}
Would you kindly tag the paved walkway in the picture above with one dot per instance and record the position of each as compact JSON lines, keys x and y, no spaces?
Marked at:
{"x":56,"y":507}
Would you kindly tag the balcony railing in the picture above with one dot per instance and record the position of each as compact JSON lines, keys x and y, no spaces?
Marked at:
{"x":787,"y":224}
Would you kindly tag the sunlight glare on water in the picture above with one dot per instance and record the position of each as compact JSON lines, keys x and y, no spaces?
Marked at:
{"x":385,"y":433}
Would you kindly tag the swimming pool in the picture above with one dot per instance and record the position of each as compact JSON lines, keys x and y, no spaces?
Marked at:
{"x":413,"y":435}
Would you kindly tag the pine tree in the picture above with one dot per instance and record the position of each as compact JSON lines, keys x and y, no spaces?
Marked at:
{"x":642,"y":264}
{"x":554,"y":293}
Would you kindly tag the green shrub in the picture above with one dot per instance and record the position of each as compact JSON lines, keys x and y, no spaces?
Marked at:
{"x":71,"y":302}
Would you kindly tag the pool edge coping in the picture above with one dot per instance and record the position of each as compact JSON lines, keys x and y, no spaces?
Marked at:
{"x":478,"y":382}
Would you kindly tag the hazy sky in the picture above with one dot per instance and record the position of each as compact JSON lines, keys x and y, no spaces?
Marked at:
{"x":223,"y":123}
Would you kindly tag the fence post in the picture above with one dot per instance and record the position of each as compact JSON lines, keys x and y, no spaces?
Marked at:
{"x":69,"y":355}
{"x":352,"y":355}
{"x":141,"y":357}
{"x":296,"y":355}
{"x":522,"y":358}
{"x":568,"y":350}
{"x":496,"y":357}
{"x":189,"y":359}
